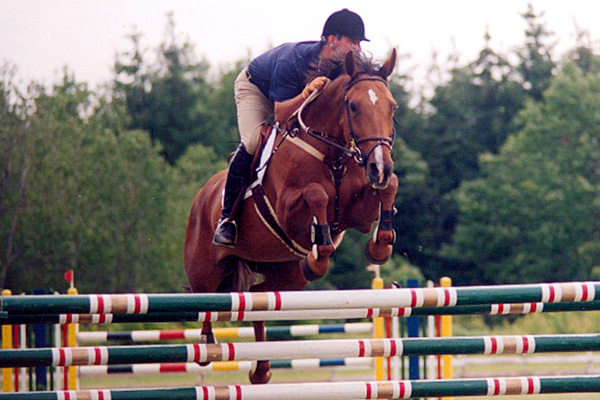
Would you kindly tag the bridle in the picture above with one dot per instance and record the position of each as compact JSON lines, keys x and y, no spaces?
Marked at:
{"x":359,"y":155}
{"x":353,"y":150}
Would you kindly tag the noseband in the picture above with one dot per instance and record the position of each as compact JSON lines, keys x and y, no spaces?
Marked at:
{"x":353,"y":151}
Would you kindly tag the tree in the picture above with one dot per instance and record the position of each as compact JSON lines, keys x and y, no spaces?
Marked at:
{"x":168,"y":98}
{"x":15,"y":164}
{"x":532,"y":215}
{"x":583,"y":53}
{"x":93,"y":199}
{"x":220,"y":130}
{"x":536,"y":65}
{"x":472,"y":113}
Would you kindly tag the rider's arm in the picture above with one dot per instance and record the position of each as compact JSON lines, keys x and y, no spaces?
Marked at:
{"x":283,"y":109}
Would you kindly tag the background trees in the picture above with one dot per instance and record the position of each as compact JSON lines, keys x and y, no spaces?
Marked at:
{"x":498,"y":169}
{"x":532,"y":214}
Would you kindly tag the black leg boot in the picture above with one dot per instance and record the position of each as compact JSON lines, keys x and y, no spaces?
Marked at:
{"x":237,"y":177}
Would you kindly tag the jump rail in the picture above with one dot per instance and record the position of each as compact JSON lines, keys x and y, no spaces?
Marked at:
{"x":273,"y":333}
{"x":301,"y":300}
{"x":295,"y":315}
{"x":219,"y":367}
{"x":285,"y":350}
{"x":338,"y":390}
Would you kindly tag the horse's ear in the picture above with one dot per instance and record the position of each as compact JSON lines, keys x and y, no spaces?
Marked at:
{"x":388,"y":67}
{"x":350,"y":64}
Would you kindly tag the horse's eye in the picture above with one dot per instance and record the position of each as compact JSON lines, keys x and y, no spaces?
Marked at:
{"x":353,"y":108}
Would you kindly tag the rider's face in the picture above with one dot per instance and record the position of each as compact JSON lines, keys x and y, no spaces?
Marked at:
{"x":342,"y":46}
{"x":347,"y":44}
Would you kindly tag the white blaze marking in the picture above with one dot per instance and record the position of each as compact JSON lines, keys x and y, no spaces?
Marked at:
{"x":379,"y":161}
{"x":373,"y":96}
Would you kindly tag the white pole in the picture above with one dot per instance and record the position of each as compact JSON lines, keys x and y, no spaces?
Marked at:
{"x":395,"y":334}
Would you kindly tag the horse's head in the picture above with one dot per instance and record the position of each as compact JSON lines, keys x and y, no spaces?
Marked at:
{"x":368,"y":119}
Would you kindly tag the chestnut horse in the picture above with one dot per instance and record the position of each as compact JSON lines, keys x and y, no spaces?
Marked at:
{"x":331,"y":169}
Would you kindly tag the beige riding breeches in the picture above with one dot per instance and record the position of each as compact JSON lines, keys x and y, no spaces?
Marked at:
{"x":253,"y":110}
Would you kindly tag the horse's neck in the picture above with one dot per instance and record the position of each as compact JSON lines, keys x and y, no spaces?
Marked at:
{"x":324,"y":115}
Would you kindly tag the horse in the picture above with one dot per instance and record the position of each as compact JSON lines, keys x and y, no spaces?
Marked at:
{"x":330,"y":169}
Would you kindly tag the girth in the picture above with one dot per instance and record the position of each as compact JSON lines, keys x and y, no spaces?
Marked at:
{"x":267,"y":214}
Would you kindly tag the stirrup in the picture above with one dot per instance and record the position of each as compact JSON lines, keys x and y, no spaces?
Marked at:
{"x":226,"y":233}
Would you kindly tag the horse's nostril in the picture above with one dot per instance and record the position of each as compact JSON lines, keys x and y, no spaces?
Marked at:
{"x":372,"y":169}
{"x":374,"y":172}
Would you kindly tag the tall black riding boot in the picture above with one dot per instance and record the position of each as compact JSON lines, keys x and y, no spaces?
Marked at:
{"x":237,"y":177}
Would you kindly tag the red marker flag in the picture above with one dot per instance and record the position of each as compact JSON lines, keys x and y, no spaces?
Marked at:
{"x":69,"y":276}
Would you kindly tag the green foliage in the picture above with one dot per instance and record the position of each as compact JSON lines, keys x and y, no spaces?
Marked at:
{"x":14,"y":168}
{"x":220,"y":130}
{"x":536,"y":65}
{"x":172,"y":98}
{"x":93,"y":199}
{"x":532,"y":214}
{"x":472,"y":113}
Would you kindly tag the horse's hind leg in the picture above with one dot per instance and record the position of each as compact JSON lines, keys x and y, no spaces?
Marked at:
{"x":207,"y":280}
{"x":284,"y":276}
{"x":262,"y":373}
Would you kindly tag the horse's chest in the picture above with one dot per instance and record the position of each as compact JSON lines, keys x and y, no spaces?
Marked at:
{"x":359,"y":203}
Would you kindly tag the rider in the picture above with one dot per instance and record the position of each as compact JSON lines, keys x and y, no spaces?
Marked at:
{"x":274,"y":83}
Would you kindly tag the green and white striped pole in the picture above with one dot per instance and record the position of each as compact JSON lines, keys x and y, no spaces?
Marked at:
{"x":300,"y":300}
{"x":337,"y":390}
{"x":285,"y":350}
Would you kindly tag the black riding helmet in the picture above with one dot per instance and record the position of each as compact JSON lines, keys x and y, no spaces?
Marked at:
{"x":345,"y":23}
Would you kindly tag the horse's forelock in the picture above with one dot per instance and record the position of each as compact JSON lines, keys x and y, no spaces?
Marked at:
{"x":365,"y":64}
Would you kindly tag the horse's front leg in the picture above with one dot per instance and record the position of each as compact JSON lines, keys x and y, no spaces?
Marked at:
{"x":379,"y":247}
{"x":316,"y":265}
{"x":262,"y":372}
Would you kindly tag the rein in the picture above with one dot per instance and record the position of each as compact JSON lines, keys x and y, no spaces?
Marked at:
{"x":354,"y":151}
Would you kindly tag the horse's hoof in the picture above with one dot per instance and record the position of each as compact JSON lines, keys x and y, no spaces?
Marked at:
{"x":377,"y":253}
{"x":262,"y":374}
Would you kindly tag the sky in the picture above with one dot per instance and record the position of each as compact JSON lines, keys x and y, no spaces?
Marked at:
{"x":41,"y":37}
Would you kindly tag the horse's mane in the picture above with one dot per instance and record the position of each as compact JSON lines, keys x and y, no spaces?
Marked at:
{"x":335,"y":68}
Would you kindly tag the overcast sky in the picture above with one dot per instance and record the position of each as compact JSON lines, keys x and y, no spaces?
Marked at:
{"x":40,"y":37}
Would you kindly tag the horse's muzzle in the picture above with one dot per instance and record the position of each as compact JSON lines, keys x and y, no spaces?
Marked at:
{"x":378,"y":173}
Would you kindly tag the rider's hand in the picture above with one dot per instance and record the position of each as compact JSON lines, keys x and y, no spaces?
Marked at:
{"x":316,"y":84}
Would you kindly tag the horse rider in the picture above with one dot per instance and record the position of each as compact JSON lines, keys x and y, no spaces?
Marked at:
{"x":275,"y":83}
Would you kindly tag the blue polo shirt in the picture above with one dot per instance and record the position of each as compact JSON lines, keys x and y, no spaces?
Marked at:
{"x":280,"y":73}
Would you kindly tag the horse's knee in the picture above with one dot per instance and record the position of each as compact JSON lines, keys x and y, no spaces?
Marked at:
{"x":388,"y":195}
{"x":316,"y":197}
